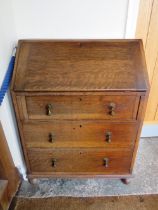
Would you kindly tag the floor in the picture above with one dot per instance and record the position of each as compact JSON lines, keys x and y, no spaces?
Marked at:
{"x":144,"y":182}
{"x":141,"y":202}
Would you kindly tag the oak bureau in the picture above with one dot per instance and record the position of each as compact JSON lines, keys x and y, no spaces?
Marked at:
{"x":80,"y":105}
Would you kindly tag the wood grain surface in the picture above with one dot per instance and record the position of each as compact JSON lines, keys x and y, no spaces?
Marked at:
{"x":79,"y":66}
{"x":73,"y":134}
{"x":147,"y":28}
{"x":83,"y":107}
{"x":68,"y":95}
{"x":80,"y":161}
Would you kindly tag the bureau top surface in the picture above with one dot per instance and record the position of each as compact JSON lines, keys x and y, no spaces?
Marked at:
{"x":80,"y":65}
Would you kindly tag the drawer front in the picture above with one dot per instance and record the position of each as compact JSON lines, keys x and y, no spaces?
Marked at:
{"x":80,"y":161}
{"x":60,"y":134}
{"x":110,"y":107}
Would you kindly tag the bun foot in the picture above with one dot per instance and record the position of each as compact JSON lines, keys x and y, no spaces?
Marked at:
{"x":126,"y":181}
{"x":32,"y":181}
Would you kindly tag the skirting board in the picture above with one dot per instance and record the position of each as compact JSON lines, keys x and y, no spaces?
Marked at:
{"x":149,"y":130}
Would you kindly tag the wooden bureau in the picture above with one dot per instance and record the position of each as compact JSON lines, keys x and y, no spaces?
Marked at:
{"x":80,"y":106}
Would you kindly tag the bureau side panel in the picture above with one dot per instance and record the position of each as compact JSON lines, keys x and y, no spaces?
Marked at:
{"x":140,"y":118}
{"x":17,"y":108}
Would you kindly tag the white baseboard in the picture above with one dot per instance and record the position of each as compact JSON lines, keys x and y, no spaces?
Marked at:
{"x":149,"y":130}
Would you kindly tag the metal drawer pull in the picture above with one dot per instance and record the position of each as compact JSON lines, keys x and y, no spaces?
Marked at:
{"x":54,"y":163}
{"x":112,"y":107}
{"x":49,"y":108}
{"x":108,"y":136}
{"x":106,"y":162}
{"x":51,"y":137}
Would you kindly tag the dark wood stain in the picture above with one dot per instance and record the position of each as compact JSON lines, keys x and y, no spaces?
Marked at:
{"x":80,"y":161}
{"x":90,"y":107}
{"x":69,"y":66}
{"x":80,"y":106}
{"x":85,"y":134}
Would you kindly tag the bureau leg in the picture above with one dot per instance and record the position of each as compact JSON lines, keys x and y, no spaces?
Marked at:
{"x":32,"y":181}
{"x":126,"y":181}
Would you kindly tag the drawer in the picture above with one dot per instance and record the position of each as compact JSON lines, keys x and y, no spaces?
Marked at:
{"x":79,"y":161}
{"x":60,"y":134}
{"x":107,"y":107}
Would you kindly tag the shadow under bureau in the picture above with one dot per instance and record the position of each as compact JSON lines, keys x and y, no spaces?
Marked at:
{"x":80,"y":106}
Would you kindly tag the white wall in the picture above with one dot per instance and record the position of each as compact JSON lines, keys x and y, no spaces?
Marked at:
{"x":7,"y":41}
{"x":57,"y":19}
{"x":70,"y":18}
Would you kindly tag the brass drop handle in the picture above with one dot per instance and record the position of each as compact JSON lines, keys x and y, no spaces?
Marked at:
{"x":108,"y":136}
{"x":54,"y":163}
{"x":112,"y":107}
{"x":51,"y":137}
{"x":49,"y":108}
{"x":106,"y":162}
